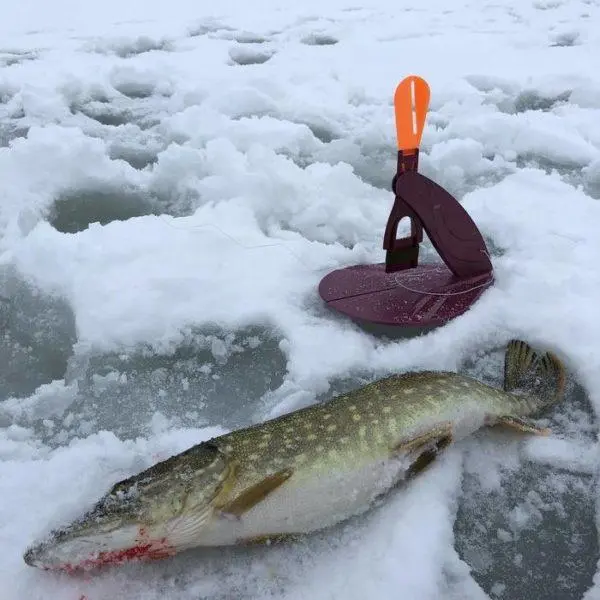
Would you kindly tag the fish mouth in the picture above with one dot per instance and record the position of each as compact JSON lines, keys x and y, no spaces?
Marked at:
{"x":72,"y":553}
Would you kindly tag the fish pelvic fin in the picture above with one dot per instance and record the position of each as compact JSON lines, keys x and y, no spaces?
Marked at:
{"x":423,"y":449}
{"x":540,"y":375}
{"x":425,"y":459}
{"x":268,"y":539}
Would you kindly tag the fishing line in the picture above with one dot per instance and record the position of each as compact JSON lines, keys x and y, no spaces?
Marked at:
{"x":471,"y":289}
{"x":305,"y":265}
{"x":238,"y":242}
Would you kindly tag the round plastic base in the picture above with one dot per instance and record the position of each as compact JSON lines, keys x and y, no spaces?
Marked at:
{"x":426,"y":295}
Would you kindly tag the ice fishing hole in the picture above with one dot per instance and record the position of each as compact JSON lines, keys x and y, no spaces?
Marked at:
{"x":104,"y":113}
{"x":319,"y":39}
{"x":10,"y":58}
{"x":244,"y":56}
{"x":135,"y":89}
{"x":9,"y":132}
{"x":321,"y":127}
{"x":76,"y":210}
{"x":570,"y":172}
{"x":132,"y":48}
{"x":536,"y":536}
{"x":210,"y":378}
{"x":136,"y":156}
{"x":322,"y":132}
{"x":565,"y":40}
{"x":130,"y":111}
{"x":533,"y":100}
{"x":38,"y":333}
{"x":207,"y":27}
{"x":247,"y":37}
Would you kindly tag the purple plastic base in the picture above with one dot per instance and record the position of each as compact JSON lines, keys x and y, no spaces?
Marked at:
{"x":427,"y":295}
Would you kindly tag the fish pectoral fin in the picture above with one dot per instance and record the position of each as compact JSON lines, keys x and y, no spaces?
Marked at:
{"x":521,"y":424}
{"x":426,"y":457}
{"x":199,"y":508}
{"x":435,"y":439}
{"x":251,"y":496}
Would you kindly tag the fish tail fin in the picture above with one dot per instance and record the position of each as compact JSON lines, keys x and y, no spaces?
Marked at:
{"x":540,"y":374}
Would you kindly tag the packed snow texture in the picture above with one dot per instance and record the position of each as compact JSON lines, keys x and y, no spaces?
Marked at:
{"x":177,"y":177}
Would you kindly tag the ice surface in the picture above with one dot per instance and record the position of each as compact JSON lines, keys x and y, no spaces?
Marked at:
{"x":175,"y":181}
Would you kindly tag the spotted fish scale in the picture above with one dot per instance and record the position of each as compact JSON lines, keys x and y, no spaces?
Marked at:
{"x":363,"y":424}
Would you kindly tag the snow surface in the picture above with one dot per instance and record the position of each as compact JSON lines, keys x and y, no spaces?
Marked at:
{"x":176,"y":177}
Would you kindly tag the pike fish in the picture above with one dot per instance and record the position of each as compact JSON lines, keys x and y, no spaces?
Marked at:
{"x":301,"y":472}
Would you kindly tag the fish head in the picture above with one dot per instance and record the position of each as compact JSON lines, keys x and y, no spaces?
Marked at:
{"x":152,"y":515}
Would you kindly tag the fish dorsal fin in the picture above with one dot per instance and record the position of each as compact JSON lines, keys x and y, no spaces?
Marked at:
{"x":523,"y":365}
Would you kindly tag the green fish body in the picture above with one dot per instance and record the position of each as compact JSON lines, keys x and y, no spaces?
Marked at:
{"x":303,"y":471}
